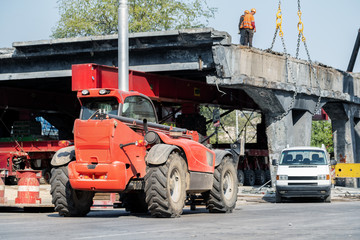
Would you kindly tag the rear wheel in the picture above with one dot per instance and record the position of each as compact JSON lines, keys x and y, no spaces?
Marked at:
{"x":222,"y":197}
{"x":260,"y":177}
{"x":68,"y":201}
{"x":267,"y":175}
{"x":45,"y":176}
{"x":241,"y":177}
{"x":165,"y":187}
{"x":249,"y":178}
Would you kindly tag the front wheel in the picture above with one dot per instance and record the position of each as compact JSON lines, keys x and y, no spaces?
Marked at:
{"x":222,"y":197}
{"x":165,"y":187}
{"x":68,"y":201}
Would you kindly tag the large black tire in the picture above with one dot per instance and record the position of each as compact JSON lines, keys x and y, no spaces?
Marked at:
{"x":268,"y":176}
{"x":222,"y":197}
{"x":241,"y":177}
{"x":45,"y":176}
{"x":68,"y":201}
{"x":134,"y":202}
{"x":327,"y":199}
{"x":260,"y":177}
{"x":165,"y":187}
{"x":249,"y":178}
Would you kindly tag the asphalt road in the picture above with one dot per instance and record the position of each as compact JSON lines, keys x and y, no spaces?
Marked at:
{"x":314,"y":220}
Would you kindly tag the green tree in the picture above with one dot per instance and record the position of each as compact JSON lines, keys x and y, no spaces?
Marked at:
{"x":99,"y":17}
{"x":321,"y":133}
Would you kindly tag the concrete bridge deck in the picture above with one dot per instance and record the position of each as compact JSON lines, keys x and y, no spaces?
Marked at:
{"x":207,"y":55}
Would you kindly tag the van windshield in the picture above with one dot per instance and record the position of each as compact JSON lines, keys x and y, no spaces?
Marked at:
{"x":303,"y":157}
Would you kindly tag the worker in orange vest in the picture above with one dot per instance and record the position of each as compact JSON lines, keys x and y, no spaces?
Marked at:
{"x":241,"y":28}
{"x":249,"y":25}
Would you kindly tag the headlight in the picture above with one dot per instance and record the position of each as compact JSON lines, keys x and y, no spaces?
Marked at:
{"x":281,"y":177}
{"x":323,"y":177}
{"x":104,"y":91}
{"x":85,"y":92}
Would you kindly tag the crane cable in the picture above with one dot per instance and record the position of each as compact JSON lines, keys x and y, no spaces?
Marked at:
{"x":301,"y":36}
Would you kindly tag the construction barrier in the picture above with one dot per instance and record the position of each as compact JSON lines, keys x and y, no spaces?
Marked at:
{"x":28,"y":187}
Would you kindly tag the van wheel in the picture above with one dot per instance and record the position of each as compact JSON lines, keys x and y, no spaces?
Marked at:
{"x":327,"y":199}
{"x":278,"y":198}
{"x":165,"y":187}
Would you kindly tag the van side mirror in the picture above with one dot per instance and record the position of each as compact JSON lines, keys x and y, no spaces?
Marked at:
{"x":275,"y":162}
{"x":333,"y":162}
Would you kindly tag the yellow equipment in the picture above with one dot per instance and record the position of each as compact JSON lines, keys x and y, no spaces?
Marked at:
{"x":344,"y":170}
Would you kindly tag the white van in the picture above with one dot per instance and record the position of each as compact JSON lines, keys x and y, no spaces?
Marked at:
{"x":303,"y":172}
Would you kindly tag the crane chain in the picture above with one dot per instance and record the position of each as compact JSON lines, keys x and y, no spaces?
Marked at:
{"x":276,"y":30}
{"x":300,"y":32}
{"x":301,"y":35}
{"x":288,"y":67}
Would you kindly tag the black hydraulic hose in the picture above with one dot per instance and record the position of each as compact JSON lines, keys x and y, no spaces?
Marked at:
{"x":149,"y":124}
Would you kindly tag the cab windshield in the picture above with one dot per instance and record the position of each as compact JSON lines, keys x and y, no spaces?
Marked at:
{"x":138,"y":107}
{"x":303,"y":157}
{"x":105,"y":104}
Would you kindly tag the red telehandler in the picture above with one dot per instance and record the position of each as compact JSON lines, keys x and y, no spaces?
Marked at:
{"x":120,"y":147}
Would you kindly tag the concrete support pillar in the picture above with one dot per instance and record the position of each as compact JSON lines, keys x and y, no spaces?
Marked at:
{"x":302,"y":125}
{"x":346,"y":134}
{"x":293,"y":129}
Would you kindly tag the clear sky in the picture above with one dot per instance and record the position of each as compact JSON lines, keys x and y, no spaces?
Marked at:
{"x":330,"y":26}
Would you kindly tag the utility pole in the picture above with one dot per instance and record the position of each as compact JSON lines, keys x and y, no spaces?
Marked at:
{"x":123,"y":45}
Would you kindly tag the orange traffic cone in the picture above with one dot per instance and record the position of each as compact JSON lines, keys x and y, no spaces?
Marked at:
{"x":28,"y":187}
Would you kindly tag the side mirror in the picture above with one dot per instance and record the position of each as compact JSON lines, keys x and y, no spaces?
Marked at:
{"x":275,"y":162}
{"x":333,"y":162}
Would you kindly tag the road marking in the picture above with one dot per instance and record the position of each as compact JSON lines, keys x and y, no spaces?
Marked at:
{"x":124,"y":233}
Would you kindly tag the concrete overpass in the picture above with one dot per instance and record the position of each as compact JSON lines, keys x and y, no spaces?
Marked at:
{"x":204,"y":55}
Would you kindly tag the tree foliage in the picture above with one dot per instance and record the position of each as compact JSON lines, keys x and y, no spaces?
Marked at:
{"x":99,"y":17}
{"x":322,"y":134}
{"x":247,"y":122}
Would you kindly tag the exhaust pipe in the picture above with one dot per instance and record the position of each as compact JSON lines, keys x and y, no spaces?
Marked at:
{"x":123,"y":46}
